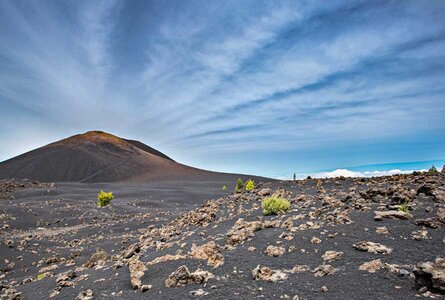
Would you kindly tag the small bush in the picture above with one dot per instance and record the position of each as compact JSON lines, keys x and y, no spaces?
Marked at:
{"x":40,"y":276}
{"x":433,"y":170}
{"x":239,"y":185}
{"x":404,"y":207}
{"x":274,"y":205}
{"x":104,"y":198}
{"x":250,"y":185}
{"x":224,"y":188}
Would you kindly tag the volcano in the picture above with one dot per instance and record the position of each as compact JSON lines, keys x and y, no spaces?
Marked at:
{"x":97,"y":156}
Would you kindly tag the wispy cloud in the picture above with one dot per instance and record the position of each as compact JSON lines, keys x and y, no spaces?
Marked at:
{"x":198,"y":79}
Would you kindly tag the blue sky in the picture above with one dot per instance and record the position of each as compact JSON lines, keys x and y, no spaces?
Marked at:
{"x":264,"y":87}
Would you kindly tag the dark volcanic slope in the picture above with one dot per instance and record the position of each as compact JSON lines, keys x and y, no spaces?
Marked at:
{"x":98,"y":157}
{"x":55,"y":243}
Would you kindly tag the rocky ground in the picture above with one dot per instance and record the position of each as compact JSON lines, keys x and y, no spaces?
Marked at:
{"x":376,"y":238}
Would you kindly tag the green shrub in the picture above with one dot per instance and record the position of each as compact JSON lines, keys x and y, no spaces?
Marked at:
{"x":104,"y":198}
{"x":239,"y":185}
{"x":250,"y":185}
{"x":404,"y":207}
{"x":224,"y":188}
{"x":274,"y":205}
{"x":433,"y":170}
{"x":40,"y":276}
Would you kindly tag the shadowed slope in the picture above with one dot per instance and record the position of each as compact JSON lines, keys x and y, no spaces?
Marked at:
{"x":97,"y":156}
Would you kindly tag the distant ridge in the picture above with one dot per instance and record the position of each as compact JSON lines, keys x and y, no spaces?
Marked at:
{"x":97,"y":156}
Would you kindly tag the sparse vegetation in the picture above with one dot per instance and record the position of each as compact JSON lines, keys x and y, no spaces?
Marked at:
{"x":433,"y":170}
{"x":404,"y":207}
{"x":40,"y":276}
{"x":274,"y":205}
{"x":239,"y":185}
{"x":250,"y":185}
{"x":224,"y":188}
{"x":104,"y":198}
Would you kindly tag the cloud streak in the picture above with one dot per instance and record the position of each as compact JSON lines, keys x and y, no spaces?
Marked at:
{"x":206,"y":80}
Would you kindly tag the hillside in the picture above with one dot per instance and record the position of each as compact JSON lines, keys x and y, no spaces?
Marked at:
{"x":97,"y":156}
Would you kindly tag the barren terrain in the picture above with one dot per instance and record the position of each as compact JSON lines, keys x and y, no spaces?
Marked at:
{"x":342,"y":239}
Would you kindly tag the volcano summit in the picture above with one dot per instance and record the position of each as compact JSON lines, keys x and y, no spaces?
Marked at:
{"x":97,"y":156}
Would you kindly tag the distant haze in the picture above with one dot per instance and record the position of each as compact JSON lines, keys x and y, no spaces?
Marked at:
{"x":258,"y":87}
{"x":373,"y":170}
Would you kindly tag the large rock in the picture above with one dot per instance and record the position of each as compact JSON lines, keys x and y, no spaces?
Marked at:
{"x":431,"y":275}
{"x":324,"y":270}
{"x":85,"y":295}
{"x":429,"y":222}
{"x":265,"y":192}
{"x":182,"y":276}
{"x":372,"y":266}
{"x":210,"y":252}
{"x":267,"y":274}
{"x":132,"y":250}
{"x":372,"y":247}
{"x":99,"y":258}
{"x":242,"y":230}
{"x":332,"y":255}
{"x":137,"y":270}
{"x":392,"y":214}
{"x":275,"y":251}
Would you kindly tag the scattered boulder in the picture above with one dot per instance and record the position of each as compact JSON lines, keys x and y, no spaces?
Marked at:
{"x":392,"y":214}
{"x":372,"y":266}
{"x":99,"y":258}
{"x":85,"y":295}
{"x":13,"y":294}
{"x":210,"y":252}
{"x":146,"y":287}
{"x":419,"y":235}
{"x":137,"y":270}
{"x":315,"y":240}
{"x":167,"y":257}
{"x":426,"y":189}
{"x":332,"y":255}
{"x":431,"y":275}
{"x":199,"y":293}
{"x":275,"y":251}
{"x":63,"y":280}
{"x":429,"y":222}
{"x":265,"y":192}
{"x":382,"y":230}
{"x":132,"y":250}
{"x":267,"y":274}
{"x":440,"y":215}
{"x":300,"y":268}
{"x":182,"y":276}
{"x":324,"y":270}
{"x":372,"y":247}
{"x":241,"y":231}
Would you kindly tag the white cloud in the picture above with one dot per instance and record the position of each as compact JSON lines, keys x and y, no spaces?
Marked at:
{"x":201,"y":70}
{"x":349,"y":173}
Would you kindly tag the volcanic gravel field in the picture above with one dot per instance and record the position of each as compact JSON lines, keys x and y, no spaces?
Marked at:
{"x":342,"y":239}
